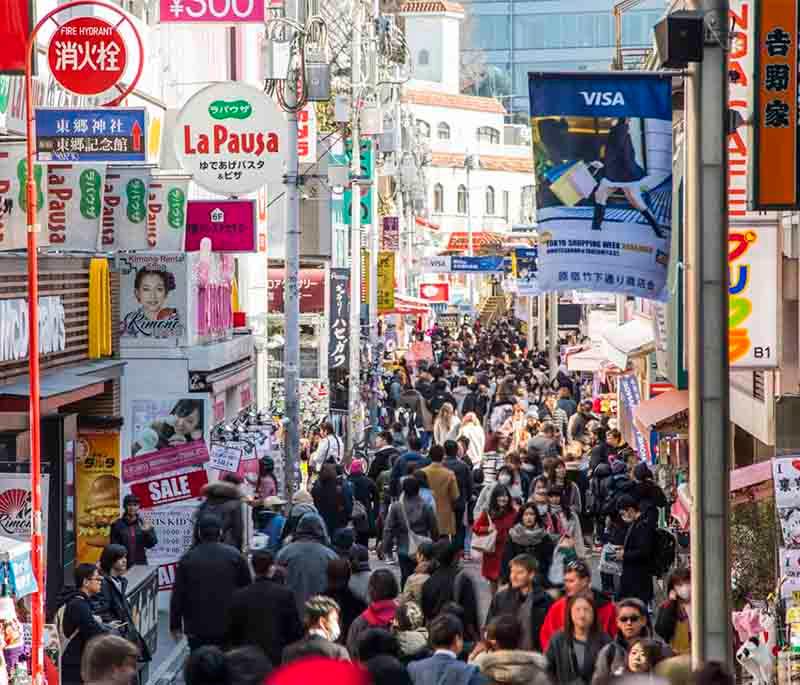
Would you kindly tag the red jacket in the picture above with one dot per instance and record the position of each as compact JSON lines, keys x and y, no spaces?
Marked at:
{"x":557,"y":616}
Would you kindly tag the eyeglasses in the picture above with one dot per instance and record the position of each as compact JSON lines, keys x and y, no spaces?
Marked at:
{"x":630,"y":619}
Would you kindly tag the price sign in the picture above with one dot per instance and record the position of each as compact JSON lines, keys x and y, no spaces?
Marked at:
{"x":225,"y":458}
{"x":215,"y":11}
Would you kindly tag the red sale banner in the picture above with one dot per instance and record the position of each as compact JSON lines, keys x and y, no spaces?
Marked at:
{"x":170,"y":489}
{"x":435,"y":292}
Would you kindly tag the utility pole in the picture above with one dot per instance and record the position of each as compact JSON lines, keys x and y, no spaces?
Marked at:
{"x":707,"y":288}
{"x":531,"y":330}
{"x":541,"y":322}
{"x":554,"y":351}
{"x":355,"y":232}
{"x":468,"y":161}
{"x":374,"y":242}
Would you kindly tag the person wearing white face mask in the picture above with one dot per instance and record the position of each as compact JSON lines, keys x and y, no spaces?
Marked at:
{"x":322,"y":631}
{"x":673,"y":620}
{"x":636,"y":554}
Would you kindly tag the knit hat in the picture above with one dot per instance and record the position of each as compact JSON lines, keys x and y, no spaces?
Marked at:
{"x":302,"y":497}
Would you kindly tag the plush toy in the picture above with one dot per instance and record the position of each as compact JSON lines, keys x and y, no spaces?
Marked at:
{"x":756,"y":631}
{"x":148,"y":439}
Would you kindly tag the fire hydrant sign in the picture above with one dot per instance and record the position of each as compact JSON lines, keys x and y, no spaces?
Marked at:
{"x":91,"y":135}
{"x":231,"y":138}
{"x":217,"y":11}
{"x":87,"y":55}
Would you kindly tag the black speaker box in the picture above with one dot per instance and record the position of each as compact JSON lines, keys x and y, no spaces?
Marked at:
{"x":679,"y":39}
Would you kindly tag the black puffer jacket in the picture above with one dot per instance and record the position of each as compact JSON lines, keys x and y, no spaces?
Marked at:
{"x":224,"y":500}
{"x":651,"y":498}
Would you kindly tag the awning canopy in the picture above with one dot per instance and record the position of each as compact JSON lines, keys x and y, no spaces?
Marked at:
{"x":459,"y":241}
{"x":632,"y":339}
{"x":589,"y":361}
{"x":427,"y":224}
{"x":406,"y":304}
{"x":667,"y":407}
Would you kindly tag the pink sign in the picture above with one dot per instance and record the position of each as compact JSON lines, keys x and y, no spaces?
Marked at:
{"x":217,"y":11}
{"x":229,"y":224}
{"x":165,"y":460}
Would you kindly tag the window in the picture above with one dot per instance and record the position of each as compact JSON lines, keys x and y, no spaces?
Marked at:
{"x":489,"y":201}
{"x":438,"y":198}
{"x":443,"y":131}
{"x":487,"y":134}
{"x":506,"y":206}
{"x":462,"y":200}
{"x":423,"y":128}
{"x":526,"y":205}
{"x":488,"y":32}
{"x":424,"y":58}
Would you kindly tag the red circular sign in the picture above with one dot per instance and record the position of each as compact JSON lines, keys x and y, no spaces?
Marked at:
{"x":87,"y":55}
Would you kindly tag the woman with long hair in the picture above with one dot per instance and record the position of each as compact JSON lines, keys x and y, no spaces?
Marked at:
{"x":446,"y":425}
{"x":527,"y":536}
{"x":500,"y":517}
{"x":472,"y":429}
{"x":555,"y":471}
{"x":572,"y":652}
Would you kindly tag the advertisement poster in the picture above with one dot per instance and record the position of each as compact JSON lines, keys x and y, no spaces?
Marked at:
{"x":786,"y":477}
{"x":170,"y":489}
{"x":385,"y":281}
{"x":167,"y":436}
{"x":74,"y":206}
{"x":311,"y":287}
{"x":153,"y":300}
{"x":13,"y":172}
{"x":602,"y":146}
{"x":523,"y":269}
{"x":790,"y":570}
{"x":124,"y":224}
{"x":15,"y":506}
{"x":174,"y":525}
{"x":230,"y":225}
{"x":752,"y":305}
{"x":97,"y":492}
{"x":390,"y":236}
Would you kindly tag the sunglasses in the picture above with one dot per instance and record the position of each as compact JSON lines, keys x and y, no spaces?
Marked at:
{"x":630,"y":619}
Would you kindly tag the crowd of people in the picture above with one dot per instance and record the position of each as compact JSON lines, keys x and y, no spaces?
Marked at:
{"x":494,"y":474}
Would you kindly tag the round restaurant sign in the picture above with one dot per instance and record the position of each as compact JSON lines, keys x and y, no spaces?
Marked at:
{"x":87,"y":55}
{"x":232,"y":138}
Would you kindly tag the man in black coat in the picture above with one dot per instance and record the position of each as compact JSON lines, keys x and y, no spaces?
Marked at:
{"x":263,"y":614}
{"x":464,"y":478}
{"x":133,"y":533}
{"x":385,"y":455}
{"x":524,"y":599}
{"x":637,"y":553}
{"x":205,"y":579}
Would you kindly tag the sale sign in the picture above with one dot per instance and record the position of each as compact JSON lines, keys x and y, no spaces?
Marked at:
{"x":87,"y":55}
{"x":170,"y":489}
{"x":208,"y":11}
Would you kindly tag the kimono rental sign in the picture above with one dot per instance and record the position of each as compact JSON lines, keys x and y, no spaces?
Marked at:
{"x":602,"y":146}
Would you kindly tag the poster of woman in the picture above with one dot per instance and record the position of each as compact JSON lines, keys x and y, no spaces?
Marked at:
{"x":156,"y":429}
{"x":153,"y":298}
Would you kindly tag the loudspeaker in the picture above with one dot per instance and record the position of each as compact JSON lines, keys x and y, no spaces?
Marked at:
{"x":679,"y":39}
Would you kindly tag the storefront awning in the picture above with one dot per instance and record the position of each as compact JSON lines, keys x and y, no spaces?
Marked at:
{"x":751,"y":483}
{"x":651,"y":414}
{"x":427,"y":224}
{"x":405,"y":304}
{"x":633,"y":339}
{"x":589,"y":361}
{"x":459,"y":241}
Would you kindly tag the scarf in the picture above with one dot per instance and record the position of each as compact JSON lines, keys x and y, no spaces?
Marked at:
{"x":526,"y":537}
{"x":381,"y":613}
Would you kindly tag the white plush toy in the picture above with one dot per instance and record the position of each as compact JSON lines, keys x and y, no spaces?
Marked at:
{"x":757,"y":654}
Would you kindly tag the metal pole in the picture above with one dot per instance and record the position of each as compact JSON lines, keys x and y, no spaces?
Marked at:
{"x":541,"y":321}
{"x":374,"y":247}
{"x":707,"y":276}
{"x":471,"y":277}
{"x":620,"y":303}
{"x":554,"y":351}
{"x":531,"y":329}
{"x":354,"y":384}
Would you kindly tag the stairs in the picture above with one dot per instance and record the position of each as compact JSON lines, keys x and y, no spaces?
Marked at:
{"x":491,"y":309}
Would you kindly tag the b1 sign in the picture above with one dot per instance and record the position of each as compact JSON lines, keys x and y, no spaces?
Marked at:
{"x":229,"y":224}
{"x":231,"y":138}
{"x":219,"y":11}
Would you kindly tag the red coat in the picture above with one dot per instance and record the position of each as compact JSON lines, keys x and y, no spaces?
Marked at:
{"x":557,"y":616}
{"x":490,"y":566}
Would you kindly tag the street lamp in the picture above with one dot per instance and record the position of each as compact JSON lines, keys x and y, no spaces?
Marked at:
{"x":471,"y":161}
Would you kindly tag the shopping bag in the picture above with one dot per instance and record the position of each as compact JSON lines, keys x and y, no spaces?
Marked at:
{"x":485,"y":543}
{"x":574,"y":185}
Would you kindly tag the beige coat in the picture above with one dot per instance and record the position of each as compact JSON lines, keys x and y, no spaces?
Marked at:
{"x":444,"y":486}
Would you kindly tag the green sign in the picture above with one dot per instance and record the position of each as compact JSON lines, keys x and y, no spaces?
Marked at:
{"x":367,"y":173}
{"x":90,"y":188}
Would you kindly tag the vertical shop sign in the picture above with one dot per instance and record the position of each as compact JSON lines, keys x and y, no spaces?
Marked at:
{"x":13,"y":198}
{"x":776,"y":177}
{"x":307,"y":134}
{"x":385,"y":281}
{"x":631,"y":398}
{"x":364,"y":277}
{"x":97,"y":492}
{"x":339,"y":340}
{"x":166,"y":212}
{"x":74,"y":206}
{"x":125,"y":198}
{"x":390,"y":236}
{"x":604,"y":224}
{"x":365,"y":174}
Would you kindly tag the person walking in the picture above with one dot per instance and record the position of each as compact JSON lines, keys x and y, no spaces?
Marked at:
{"x":463,"y":474}
{"x":330,"y":449}
{"x":443,"y":484}
{"x":530,"y":536}
{"x":412,"y":458}
{"x":385,"y":455}
{"x":446,"y":636}
{"x":133,"y":532}
{"x":333,"y":498}
{"x":338,"y":589}
{"x":506,"y":660}
{"x":446,"y":425}
{"x":383,"y":592}
{"x":636,"y":553}
{"x":366,"y":494}
{"x":410,"y":522}
{"x":649,"y":495}
{"x":205,"y":579}
{"x":264,"y":613}
{"x":672,"y":623}
{"x":223,"y":499}
{"x":321,"y":618}
{"x":472,"y":429}
{"x":573,"y":652}
{"x":498,"y":518}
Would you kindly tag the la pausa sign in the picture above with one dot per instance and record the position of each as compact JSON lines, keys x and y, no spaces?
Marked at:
{"x":231,"y":138}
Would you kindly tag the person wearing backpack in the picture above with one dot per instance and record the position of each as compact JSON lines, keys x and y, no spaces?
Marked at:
{"x":365,"y":503}
{"x":333,"y":498}
{"x":636,"y":554}
{"x":409,"y":523}
{"x":224,"y":500}
{"x":649,"y":494}
{"x":76,"y":621}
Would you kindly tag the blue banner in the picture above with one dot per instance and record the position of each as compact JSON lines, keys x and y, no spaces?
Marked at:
{"x":602,"y":146}
{"x":524,"y":269}
{"x":484,"y":264}
{"x":631,"y":398}
{"x":91,"y":135}
{"x":20,"y":574}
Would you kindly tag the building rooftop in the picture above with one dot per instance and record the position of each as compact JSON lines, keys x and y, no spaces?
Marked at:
{"x":435,"y":99}
{"x":431,"y":6}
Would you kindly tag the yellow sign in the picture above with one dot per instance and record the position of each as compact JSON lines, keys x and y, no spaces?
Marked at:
{"x":364,"y":276}
{"x":385,"y":281}
{"x":97,"y":484}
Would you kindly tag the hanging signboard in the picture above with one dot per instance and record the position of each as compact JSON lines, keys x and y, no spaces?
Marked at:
{"x":232,"y":138}
{"x":124,"y":224}
{"x":523,"y":270}
{"x":366,"y":173}
{"x":631,"y":398}
{"x":476,"y":264}
{"x":339,"y":341}
{"x":752,"y":305}
{"x":13,"y":198}
{"x":229,"y":224}
{"x":435,"y":265}
{"x":776,"y":182}
{"x":16,"y":18}
{"x":310,"y":287}
{"x":211,"y":11}
{"x":91,"y":135}
{"x":390,"y":236}
{"x":74,"y":206}
{"x":307,"y":134}
{"x":166,"y":212}
{"x":435,"y":292}
{"x":385,"y":281}
{"x":604,"y":198}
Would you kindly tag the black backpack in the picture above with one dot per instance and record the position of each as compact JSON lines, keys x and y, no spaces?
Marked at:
{"x":664,"y":549}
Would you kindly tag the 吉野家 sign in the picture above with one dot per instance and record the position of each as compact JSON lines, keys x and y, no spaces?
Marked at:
{"x":91,"y":135}
{"x":232,"y":138}
{"x":87,"y":55}
{"x":211,"y":11}
{"x":229,"y":224}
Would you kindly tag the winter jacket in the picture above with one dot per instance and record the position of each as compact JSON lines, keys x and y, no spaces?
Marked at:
{"x":413,"y":644}
{"x":420,"y":516}
{"x":443,"y":669}
{"x":334,"y":502}
{"x":224,"y":500}
{"x":541,"y":447}
{"x":651,"y":498}
{"x":491,"y":562}
{"x":613,"y":658}
{"x":365,"y":491}
{"x":477,"y":403}
{"x":444,"y":485}
{"x":442,"y":432}
{"x":477,"y":442}
{"x":296,"y":513}
{"x":531,"y":610}
{"x":534,"y":541}
{"x":561,"y":659}
{"x":134,"y":539}
{"x":598,"y":455}
{"x":314,"y":645}
{"x":637,"y":579}
{"x":306,"y":560}
{"x":513,"y":667}
{"x":263,"y":614}
{"x":79,"y":621}
{"x":464,"y":480}
{"x":350,"y":606}
{"x":271,"y":523}
{"x":111,"y":604}
{"x":378,"y":614}
{"x":670,"y":617}
{"x":460,"y":394}
{"x":452,"y":584}
{"x":205,"y":579}
{"x":557,"y":615}
{"x":400,"y":470}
